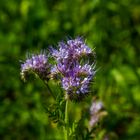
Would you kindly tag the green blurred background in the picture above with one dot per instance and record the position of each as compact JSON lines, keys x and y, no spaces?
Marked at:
{"x":110,"y":26}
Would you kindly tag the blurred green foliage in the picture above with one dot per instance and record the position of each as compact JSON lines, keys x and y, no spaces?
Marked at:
{"x":112,"y":27}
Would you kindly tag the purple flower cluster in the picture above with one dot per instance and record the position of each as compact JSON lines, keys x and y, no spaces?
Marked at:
{"x":71,"y":49}
{"x":37,"y":64}
{"x":74,"y":67}
{"x":95,"y":112}
{"x":72,"y":64}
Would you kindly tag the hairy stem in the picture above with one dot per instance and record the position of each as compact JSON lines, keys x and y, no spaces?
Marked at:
{"x":66,"y":130}
{"x":49,"y":89}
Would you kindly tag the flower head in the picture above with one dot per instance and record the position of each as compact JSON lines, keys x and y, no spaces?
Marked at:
{"x":95,"y":110}
{"x":72,"y":64}
{"x":75,"y":49}
{"x":96,"y":107}
{"x":37,"y":64}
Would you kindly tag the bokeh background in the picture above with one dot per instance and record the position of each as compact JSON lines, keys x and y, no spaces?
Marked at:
{"x":112,"y":27}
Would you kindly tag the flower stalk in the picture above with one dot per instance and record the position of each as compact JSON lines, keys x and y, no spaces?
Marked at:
{"x":66,"y":130}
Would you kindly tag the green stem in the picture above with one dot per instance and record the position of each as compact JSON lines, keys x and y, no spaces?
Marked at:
{"x":66,"y":132}
{"x":49,"y":89}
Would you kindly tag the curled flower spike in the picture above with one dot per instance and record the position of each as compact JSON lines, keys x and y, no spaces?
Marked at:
{"x":95,"y":108}
{"x":72,"y":65}
{"x":37,"y":64}
{"x":77,"y":81}
{"x":97,"y":112}
{"x":75,"y":49}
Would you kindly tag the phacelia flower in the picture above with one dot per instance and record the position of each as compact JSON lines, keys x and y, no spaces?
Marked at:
{"x":37,"y":64}
{"x":97,"y":112}
{"x":96,"y":107}
{"x":75,"y":67}
{"x":71,"y":49}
